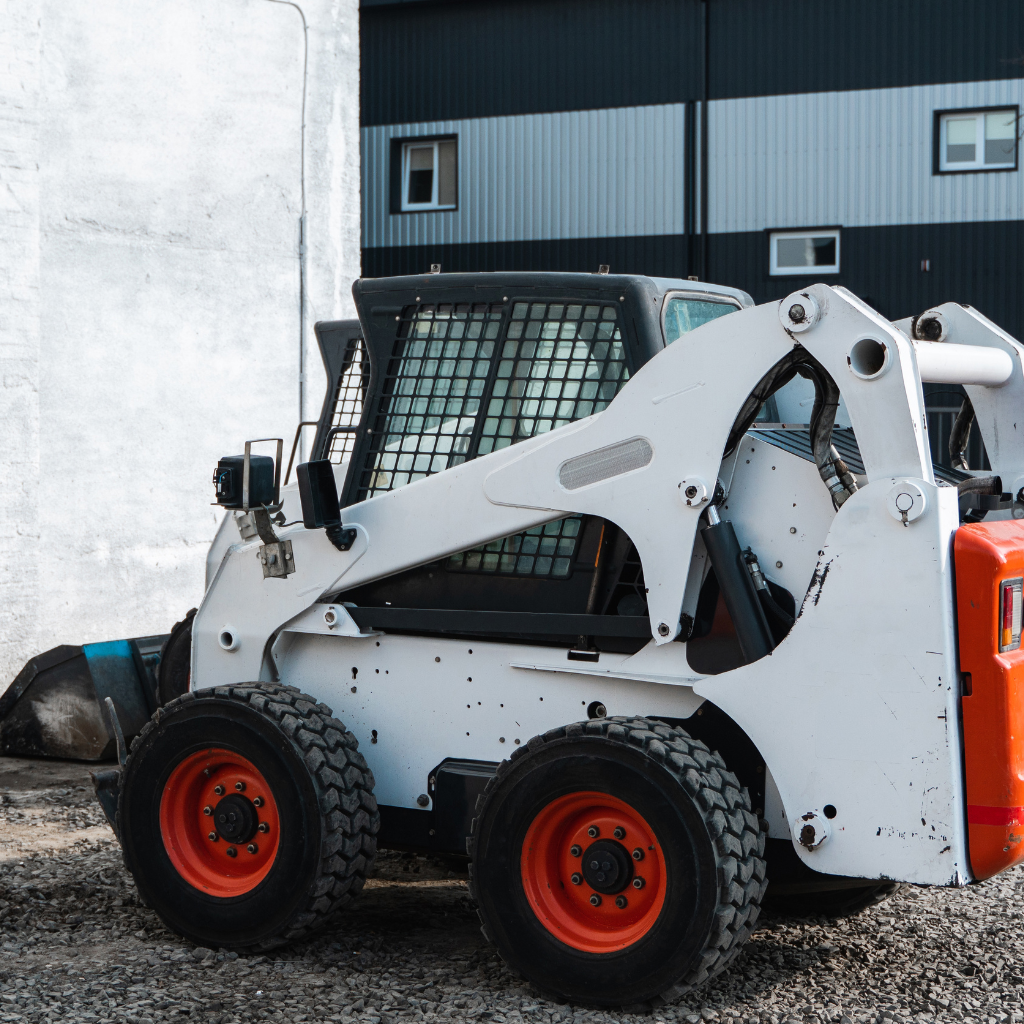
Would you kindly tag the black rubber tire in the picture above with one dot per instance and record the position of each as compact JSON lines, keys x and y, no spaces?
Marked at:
{"x":830,"y":902}
{"x":324,"y":795}
{"x":713,"y":847}
{"x":175,"y":665}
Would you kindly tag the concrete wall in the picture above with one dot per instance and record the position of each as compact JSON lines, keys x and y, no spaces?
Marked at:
{"x":151,"y":173}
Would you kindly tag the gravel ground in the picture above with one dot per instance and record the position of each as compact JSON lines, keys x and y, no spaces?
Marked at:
{"x":77,"y":945}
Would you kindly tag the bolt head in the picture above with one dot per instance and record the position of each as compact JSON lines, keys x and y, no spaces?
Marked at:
{"x":423,"y":799}
{"x":264,"y":827}
{"x":231,"y":851}
{"x":593,"y":831}
{"x":240,"y":786}
{"x":253,"y":848}
{"x":213,"y":837}
{"x":207,"y":810}
{"x":619,"y":832}
{"x":595,"y":900}
{"x":638,"y":882}
{"x":575,"y":850}
{"x":257,"y":801}
{"x":638,"y":854}
{"x":797,"y":313}
{"x":219,"y":790}
{"x":621,"y":902}
{"x":691,"y":491}
{"x":576,"y":878}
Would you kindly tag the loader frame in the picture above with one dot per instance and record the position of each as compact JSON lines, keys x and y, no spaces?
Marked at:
{"x":856,"y":713}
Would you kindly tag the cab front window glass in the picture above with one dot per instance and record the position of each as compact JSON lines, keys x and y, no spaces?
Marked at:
{"x":683,"y":315}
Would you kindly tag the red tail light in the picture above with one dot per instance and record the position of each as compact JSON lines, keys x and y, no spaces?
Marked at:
{"x":1011,"y":605}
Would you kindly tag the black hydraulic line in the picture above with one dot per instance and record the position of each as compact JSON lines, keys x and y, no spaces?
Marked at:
{"x":980,"y":485}
{"x":737,"y":588}
{"x":960,"y":435}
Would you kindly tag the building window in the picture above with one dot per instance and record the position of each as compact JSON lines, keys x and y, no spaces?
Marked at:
{"x":428,"y":174}
{"x":977,"y":140}
{"x":806,"y":253}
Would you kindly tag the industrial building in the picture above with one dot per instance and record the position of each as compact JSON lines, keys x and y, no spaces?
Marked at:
{"x":872,"y":145}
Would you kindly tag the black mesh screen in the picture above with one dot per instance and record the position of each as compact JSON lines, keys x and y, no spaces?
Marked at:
{"x":468,"y":379}
{"x":431,"y":393}
{"x":348,"y":402}
{"x":559,"y":362}
{"x":546,"y":550}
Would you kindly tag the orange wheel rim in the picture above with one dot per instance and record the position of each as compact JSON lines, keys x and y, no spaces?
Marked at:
{"x":587,"y":845}
{"x":219,"y":822}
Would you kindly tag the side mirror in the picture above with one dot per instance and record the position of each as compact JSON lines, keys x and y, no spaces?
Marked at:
{"x":318,"y":493}
{"x":320,"y":507}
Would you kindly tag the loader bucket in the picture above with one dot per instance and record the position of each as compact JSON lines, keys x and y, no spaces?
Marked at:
{"x":54,"y":707}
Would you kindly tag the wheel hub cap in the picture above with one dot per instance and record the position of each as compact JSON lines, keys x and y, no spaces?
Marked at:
{"x":607,"y":867}
{"x":235,"y":819}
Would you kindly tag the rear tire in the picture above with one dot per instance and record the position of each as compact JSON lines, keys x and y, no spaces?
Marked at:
{"x":175,"y":666}
{"x":688,"y":838}
{"x":246,"y":815}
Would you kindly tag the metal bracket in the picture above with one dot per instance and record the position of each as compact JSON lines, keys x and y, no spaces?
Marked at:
{"x":341,"y":537}
{"x":277,"y":559}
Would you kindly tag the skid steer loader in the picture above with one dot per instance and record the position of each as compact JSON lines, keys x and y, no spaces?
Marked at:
{"x":588,"y":598}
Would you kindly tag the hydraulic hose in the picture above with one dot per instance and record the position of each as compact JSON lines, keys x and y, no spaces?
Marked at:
{"x":779,"y":620}
{"x":960,"y":435}
{"x":737,"y":588}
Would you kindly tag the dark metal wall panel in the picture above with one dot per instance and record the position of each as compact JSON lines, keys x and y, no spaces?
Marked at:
{"x":441,"y":61}
{"x":437,"y":61}
{"x":789,"y":46}
{"x":657,"y":255}
{"x":980,"y":263}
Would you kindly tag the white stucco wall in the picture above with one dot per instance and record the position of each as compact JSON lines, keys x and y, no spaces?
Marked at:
{"x":150,"y":195}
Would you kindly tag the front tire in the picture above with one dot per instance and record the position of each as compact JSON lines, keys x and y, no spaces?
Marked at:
{"x":616,"y":862}
{"x":246,"y":815}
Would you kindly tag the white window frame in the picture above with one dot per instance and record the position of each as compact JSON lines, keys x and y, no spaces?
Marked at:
{"x":407,"y":147}
{"x":943,"y":117}
{"x":776,"y":271}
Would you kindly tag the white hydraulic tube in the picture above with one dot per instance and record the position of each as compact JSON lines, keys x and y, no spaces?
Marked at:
{"x":940,"y":362}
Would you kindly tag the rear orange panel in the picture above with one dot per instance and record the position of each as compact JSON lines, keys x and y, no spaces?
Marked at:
{"x":986,"y":555}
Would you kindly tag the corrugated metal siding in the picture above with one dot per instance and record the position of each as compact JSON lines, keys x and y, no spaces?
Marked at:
{"x":435,"y":61}
{"x":760,"y":48}
{"x":657,"y":255}
{"x":430,"y":62}
{"x":979,"y":263}
{"x":850,"y":158}
{"x":581,"y":174}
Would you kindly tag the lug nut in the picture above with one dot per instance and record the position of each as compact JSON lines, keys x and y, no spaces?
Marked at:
{"x":593,"y":831}
{"x":619,"y":833}
{"x":638,"y":882}
{"x":257,"y":801}
{"x":231,"y":851}
{"x":621,"y":902}
{"x":576,"y":878}
{"x":219,"y":790}
{"x":212,"y":837}
{"x":264,"y":827}
{"x":240,"y":786}
{"x":595,"y":900}
{"x":638,"y":854}
{"x":253,"y":848}
{"x":575,"y":850}
{"x":207,"y":810}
